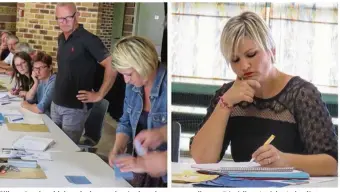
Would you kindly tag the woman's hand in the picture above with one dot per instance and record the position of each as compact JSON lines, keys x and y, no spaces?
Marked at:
{"x":112,"y":157}
{"x":130,"y":163}
{"x":241,"y":90}
{"x":150,"y":139}
{"x":155,"y":163}
{"x":22,"y":94}
{"x":15,"y":91}
{"x":268,"y":155}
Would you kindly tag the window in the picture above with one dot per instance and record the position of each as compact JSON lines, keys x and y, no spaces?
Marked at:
{"x":305,"y":35}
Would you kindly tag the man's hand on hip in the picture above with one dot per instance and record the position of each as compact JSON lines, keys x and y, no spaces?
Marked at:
{"x":89,"y":96}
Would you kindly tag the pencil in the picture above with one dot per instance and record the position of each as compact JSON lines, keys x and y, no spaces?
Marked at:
{"x":269,"y":140}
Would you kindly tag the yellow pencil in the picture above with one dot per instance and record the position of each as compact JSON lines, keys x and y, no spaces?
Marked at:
{"x":269,"y":140}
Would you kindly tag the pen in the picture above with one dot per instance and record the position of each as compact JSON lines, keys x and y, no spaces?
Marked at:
{"x":18,"y":119}
{"x":5,"y":103}
{"x":13,"y":149}
{"x":269,"y":140}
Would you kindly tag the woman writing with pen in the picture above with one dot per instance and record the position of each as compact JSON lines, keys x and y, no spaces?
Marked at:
{"x":264,"y":101}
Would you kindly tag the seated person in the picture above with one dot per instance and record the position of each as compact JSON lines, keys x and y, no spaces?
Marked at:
{"x":25,"y":47}
{"x":39,"y":97}
{"x":4,"y":48}
{"x":22,"y":70}
{"x":5,"y":65}
{"x":264,"y":101}
{"x":145,"y":103}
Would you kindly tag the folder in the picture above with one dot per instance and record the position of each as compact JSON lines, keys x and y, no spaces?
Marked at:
{"x":27,"y":127}
{"x":25,"y":173}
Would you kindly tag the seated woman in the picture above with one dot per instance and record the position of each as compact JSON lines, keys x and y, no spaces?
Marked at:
{"x":145,"y":103}
{"x":22,"y":70}
{"x":263,"y":101}
{"x":39,"y":97}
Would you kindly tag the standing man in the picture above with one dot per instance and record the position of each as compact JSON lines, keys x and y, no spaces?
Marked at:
{"x":79,"y":51}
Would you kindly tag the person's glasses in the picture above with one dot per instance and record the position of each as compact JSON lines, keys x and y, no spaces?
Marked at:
{"x":39,"y":68}
{"x":68,"y":18}
{"x":19,"y":65}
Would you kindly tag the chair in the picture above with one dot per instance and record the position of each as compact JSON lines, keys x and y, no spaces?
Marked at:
{"x":94,"y":124}
{"x":175,"y":141}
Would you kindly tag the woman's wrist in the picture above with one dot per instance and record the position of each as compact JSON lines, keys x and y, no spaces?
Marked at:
{"x":224,"y":103}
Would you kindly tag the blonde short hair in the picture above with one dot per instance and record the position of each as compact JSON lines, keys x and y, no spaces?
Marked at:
{"x":135,"y":52}
{"x":247,"y":24}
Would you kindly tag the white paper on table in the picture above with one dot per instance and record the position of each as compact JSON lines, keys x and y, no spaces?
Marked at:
{"x":10,"y":112}
{"x":4,"y":95}
{"x":31,"y":118}
{"x":15,"y":119}
{"x":25,"y":120}
{"x":38,"y":156}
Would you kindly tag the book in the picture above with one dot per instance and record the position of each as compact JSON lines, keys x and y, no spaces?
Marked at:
{"x":33,"y":143}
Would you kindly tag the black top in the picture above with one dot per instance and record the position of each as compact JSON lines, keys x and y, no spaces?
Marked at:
{"x":4,"y":54}
{"x":77,"y":59}
{"x":115,"y":95}
{"x":142,"y":124}
{"x":296,"y":116}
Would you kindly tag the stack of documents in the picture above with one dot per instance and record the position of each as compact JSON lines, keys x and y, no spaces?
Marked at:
{"x":10,"y":153}
{"x":249,"y":174}
{"x":32,"y":143}
{"x":6,"y":98}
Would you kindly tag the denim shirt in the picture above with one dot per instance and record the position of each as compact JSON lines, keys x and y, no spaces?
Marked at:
{"x":43,"y":97}
{"x":133,"y":106}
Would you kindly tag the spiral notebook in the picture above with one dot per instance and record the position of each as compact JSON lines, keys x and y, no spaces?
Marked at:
{"x":239,"y":167}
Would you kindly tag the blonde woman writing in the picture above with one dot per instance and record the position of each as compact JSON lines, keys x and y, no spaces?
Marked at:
{"x":263,"y":101}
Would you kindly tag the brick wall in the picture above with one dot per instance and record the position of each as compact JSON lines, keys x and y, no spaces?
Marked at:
{"x":8,"y":13}
{"x":128,"y":18}
{"x":39,"y":28}
{"x":105,"y":32}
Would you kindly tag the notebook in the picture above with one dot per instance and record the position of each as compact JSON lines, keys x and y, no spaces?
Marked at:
{"x":239,"y":166}
{"x":33,"y":143}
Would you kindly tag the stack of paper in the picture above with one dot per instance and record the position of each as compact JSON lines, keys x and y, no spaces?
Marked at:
{"x":6,"y":98}
{"x":23,"y":163}
{"x":32,"y":143}
{"x":25,"y":155}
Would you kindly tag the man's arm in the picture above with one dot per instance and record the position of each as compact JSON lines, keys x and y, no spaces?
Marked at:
{"x":109,"y":77}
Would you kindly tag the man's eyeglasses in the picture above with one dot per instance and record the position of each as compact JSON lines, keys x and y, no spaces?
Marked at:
{"x":39,"y":68}
{"x":68,"y":18}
